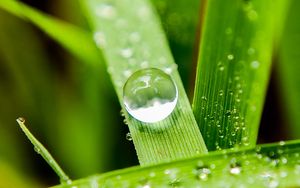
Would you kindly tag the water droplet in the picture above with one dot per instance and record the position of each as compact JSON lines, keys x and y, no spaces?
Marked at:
{"x":170,"y":69}
{"x":235,"y":167}
{"x":230,"y":57}
{"x":228,"y":31}
{"x":134,"y":37}
{"x":36,"y":149}
{"x":126,"y":52}
{"x":21,"y":120}
{"x":202,"y":172}
{"x":255,"y":64}
{"x":127,"y":73}
{"x":221,"y":66}
{"x":144,"y":64}
{"x":100,"y":40}
{"x":251,"y":51}
{"x":128,"y":137}
{"x":281,"y":143}
{"x":150,"y":95}
{"x":106,"y":10}
{"x":252,"y":15}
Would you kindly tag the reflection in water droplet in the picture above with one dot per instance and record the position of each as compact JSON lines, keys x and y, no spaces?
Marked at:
{"x":128,"y":137}
{"x":150,"y":95}
{"x":106,"y":10}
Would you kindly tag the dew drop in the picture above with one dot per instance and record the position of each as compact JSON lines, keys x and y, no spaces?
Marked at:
{"x":230,"y":57}
{"x":150,"y":95}
{"x":254,"y":64}
{"x":100,"y":40}
{"x":21,"y":120}
{"x":106,"y":10}
{"x":134,"y":37}
{"x":128,"y":137}
{"x":126,"y":52}
{"x":221,"y":66}
{"x":36,"y":149}
{"x":235,"y":168}
{"x":202,"y":172}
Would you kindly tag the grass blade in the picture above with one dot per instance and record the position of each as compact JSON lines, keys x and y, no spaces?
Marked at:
{"x":76,"y":40}
{"x":40,"y":149}
{"x":233,"y":70}
{"x":271,"y":165}
{"x":288,"y":70}
{"x":135,"y":30}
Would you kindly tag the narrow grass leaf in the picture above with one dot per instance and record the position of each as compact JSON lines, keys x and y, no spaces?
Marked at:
{"x":288,"y":68}
{"x":76,"y":40}
{"x":131,"y":39}
{"x":40,"y":149}
{"x":233,"y":70}
{"x":271,"y":165}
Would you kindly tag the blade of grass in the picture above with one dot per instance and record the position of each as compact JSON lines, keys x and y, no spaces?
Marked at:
{"x":288,"y":70}
{"x":76,"y":40}
{"x":135,"y":29}
{"x":233,"y":70}
{"x":74,"y":105}
{"x":40,"y":149}
{"x":270,"y":165}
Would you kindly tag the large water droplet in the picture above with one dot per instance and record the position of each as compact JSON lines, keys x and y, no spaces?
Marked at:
{"x":150,"y":95}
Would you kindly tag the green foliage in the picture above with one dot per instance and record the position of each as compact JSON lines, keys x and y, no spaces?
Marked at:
{"x":287,"y":68}
{"x":233,"y":70}
{"x":269,"y":165}
{"x":236,"y":45}
{"x":131,"y":39}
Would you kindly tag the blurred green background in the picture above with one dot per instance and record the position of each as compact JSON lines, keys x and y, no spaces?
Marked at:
{"x":72,"y":109}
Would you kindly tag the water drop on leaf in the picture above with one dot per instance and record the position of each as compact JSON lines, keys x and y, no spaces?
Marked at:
{"x":150,"y":95}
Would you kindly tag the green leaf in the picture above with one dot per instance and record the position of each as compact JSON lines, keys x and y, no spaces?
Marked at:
{"x":76,"y":40}
{"x":134,"y":29}
{"x":233,"y":70}
{"x":270,"y":165}
{"x":288,"y":70}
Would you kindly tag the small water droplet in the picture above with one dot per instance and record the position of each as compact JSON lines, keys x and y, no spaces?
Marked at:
{"x":252,"y":15}
{"x":150,"y":95}
{"x":126,"y":52}
{"x":127,"y":73}
{"x":255,"y":64}
{"x":230,"y":57}
{"x":21,"y":120}
{"x":251,"y":51}
{"x":100,"y":40}
{"x":221,"y":66}
{"x":106,"y":10}
{"x":144,"y":64}
{"x":36,"y":149}
{"x":128,"y":137}
{"x":134,"y":37}
{"x":235,"y":167}
{"x":202,"y":172}
{"x":228,"y":30}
